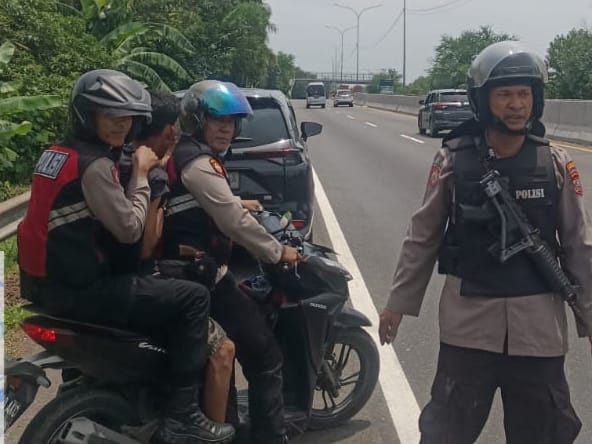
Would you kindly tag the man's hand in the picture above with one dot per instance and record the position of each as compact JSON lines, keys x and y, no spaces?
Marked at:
{"x":389,"y":324}
{"x":290,"y":256}
{"x":144,"y":160}
{"x":252,"y":205}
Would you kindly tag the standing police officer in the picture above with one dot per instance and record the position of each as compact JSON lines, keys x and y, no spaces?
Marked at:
{"x":500,"y":324}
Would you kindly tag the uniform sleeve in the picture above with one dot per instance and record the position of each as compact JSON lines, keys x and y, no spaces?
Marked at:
{"x":123,"y":216}
{"x":158,"y":180}
{"x":575,"y":231}
{"x":424,"y":238}
{"x":213,"y":194}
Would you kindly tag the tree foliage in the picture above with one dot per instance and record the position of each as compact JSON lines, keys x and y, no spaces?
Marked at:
{"x":390,"y":74}
{"x":570,"y":61}
{"x":453,"y":55}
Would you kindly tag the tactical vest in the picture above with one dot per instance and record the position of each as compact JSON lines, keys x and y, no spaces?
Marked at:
{"x":530,"y":177}
{"x":57,"y":240}
{"x":186,"y":223}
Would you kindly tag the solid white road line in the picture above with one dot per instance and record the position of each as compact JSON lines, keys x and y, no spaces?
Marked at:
{"x":373,"y":125}
{"x":351,"y":117}
{"x":412,"y":138}
{"x":399,"y":397}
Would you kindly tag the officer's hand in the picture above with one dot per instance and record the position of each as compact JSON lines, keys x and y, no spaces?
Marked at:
{"x":389,"y":324}
{"x":290,"y":256}
{"x":252,"y":205}
{"x":144,"y":160}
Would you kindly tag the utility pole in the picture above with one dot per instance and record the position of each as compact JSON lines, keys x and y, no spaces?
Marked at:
{"x":341,"y":31}
{"x":358,"y":14}
{"x":404,"y":40}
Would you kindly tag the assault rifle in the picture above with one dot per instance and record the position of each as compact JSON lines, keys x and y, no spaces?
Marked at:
{"x":531,"y":242}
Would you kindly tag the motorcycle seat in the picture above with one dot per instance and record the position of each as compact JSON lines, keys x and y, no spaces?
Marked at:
{"x":103,"y":328}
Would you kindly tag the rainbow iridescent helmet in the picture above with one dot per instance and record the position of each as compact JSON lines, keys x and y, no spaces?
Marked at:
{"x":212,"y":98}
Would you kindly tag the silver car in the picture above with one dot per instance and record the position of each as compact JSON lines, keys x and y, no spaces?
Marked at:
{"x":343,"y":97}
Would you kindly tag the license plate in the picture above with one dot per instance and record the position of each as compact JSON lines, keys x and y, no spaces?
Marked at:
{"x":234,"y":179}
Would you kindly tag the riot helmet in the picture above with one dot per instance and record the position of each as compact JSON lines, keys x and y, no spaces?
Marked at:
{"x":504,"y":64}
{"x":113,"y":92}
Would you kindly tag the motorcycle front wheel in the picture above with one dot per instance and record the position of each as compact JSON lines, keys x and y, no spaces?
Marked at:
{"x":347,"y":380}
{"x":102,"y":406}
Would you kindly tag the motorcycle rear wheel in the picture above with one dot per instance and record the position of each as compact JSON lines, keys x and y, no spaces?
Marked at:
{"x":102,"y":406}
{"x":364,"y":381}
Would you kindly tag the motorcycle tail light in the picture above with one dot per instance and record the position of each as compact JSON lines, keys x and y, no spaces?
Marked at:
{"x":40,"y":334}
{"x":298,"y":224}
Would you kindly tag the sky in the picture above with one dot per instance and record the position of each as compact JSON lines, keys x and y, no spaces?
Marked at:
{"x":301,"y":29}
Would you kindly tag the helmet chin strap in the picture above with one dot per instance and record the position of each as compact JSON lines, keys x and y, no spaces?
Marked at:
{"x":499,"y":125}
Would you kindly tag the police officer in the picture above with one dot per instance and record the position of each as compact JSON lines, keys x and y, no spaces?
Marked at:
{"x":75,"y":195}
{"x":203,"y":214}
{"x":500,"y":325}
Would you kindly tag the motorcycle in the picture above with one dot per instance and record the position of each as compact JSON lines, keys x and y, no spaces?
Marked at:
{"x":112,"y":378}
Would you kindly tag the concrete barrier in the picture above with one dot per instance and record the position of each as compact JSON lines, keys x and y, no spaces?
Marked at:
{"x":569,"y":120}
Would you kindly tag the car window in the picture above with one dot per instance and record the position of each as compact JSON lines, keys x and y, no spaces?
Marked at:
{"x":316,"y":90}
{"x":267,"y":125}
{"x":344,"y":93}
{"x":453,"y":97}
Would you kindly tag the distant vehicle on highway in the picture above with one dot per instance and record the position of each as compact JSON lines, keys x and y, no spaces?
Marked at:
{"x":343,"y":97}
{"x":443,"y":109}
{"x":316,"y":94}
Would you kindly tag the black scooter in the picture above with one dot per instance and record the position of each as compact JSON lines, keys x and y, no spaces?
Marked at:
{"x":112,"y":378}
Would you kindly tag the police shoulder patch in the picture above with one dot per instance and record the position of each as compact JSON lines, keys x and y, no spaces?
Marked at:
{"x":51,"y":163}
{"x":217,"y":166}
{"x":574,"y":176}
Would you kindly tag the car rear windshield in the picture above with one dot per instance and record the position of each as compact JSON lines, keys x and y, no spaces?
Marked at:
{"x":267,"y":125}
{"x":453,"y":97}
{"x":344,"y":93}
{"x":316,"y":90}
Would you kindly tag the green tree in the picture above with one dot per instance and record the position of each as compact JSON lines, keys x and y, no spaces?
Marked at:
{"x":453,"y":55}
{"x":52,"y":50}
{"x":390,"y":74}
{"x":570,"y":65}
{"x":419,"y":86}
{"x":15,"y":105}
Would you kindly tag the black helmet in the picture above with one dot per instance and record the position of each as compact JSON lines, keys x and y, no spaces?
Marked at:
{"x":505,"y":63}
{"x":212,"y":98}
{"x":112,"y":91}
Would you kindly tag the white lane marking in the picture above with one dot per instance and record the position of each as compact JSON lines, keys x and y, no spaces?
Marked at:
{"x":397,"y":392}
{"x":373,"y":125}
{"x":351,"y":117}
{"x":412,"y":138}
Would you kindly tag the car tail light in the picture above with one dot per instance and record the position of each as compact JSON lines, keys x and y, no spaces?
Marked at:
{"x":298,"y":224}
{"x":40,"y":334}
{"x":440,"y":106}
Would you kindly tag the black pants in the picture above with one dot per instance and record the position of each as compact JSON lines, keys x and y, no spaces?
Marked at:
{"x":535,"y":395}
{"x":259,"y":355}
{"x":177,"y":310}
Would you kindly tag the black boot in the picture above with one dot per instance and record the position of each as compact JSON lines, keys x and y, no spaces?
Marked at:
{"x":266,"y":407}
{"x":185,"y":423}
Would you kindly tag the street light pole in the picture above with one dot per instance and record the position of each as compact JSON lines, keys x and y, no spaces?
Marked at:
{"x":341,"y":31}
{"x":404,"y":39}
{"x":358,"y":15}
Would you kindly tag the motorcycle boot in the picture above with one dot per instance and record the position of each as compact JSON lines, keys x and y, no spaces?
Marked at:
{"x":266,"y":407}
{"x":185,"y":423}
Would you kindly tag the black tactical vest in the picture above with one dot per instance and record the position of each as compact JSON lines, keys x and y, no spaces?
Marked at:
{"x":186,"y":223}
{"x":530,"y":177}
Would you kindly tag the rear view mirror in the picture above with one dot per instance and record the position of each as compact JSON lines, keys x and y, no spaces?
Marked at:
{"x":309,"y":129}
{"x":421,"y":102}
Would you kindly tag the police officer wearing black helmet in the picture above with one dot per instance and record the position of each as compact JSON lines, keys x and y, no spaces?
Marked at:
{"x":77,"y":199}
{"x":501,"y":326}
